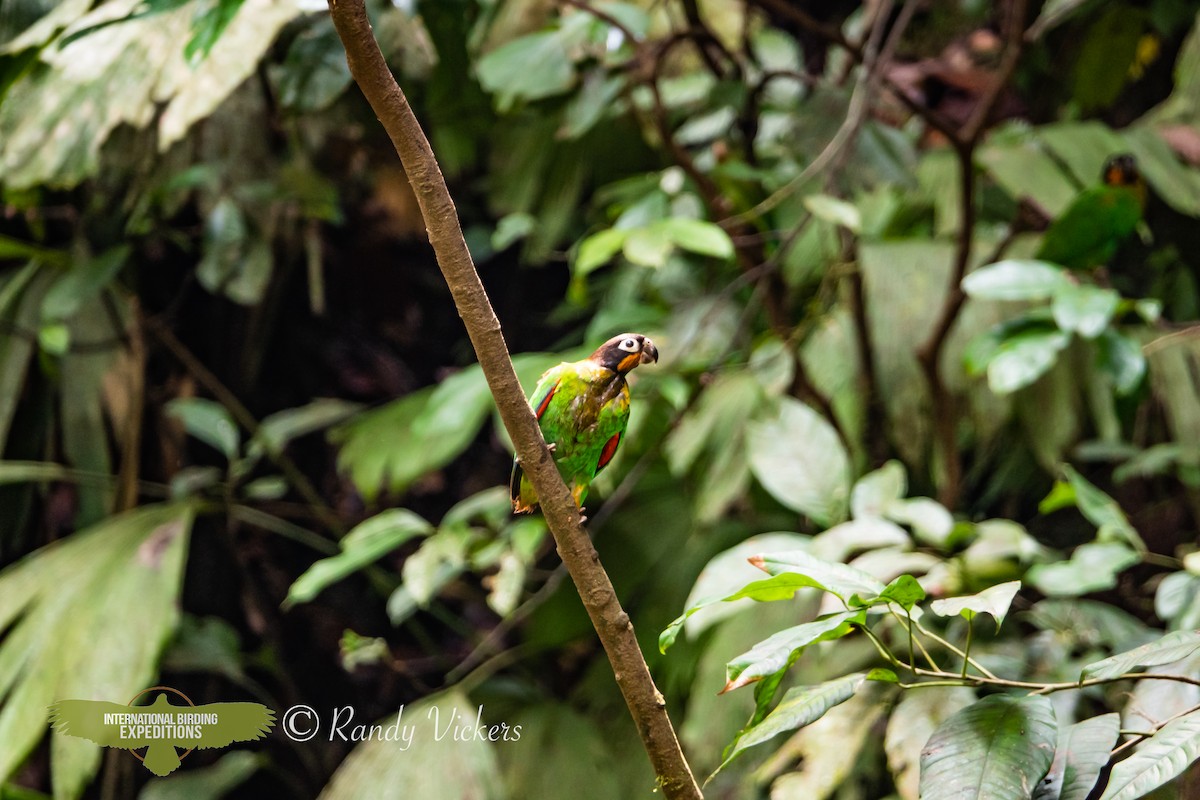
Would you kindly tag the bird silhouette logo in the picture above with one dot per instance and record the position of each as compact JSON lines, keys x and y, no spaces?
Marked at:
{"x":161,"y":727}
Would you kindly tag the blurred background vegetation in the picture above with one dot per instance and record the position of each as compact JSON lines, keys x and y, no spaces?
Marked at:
{"x":246,"y":453}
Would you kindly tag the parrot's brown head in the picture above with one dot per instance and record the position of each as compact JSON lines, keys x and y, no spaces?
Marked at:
{"x":624,"y":352}
{"x":1122,"y":170}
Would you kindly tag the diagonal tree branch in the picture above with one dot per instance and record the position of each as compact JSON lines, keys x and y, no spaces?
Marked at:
{"x":612,"y":624}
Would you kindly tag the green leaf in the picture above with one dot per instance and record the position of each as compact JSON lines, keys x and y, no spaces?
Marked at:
{"x":698,"y":236}
{"x":366,"y":543}
{"x":591,"y":103}
{"x":727,"y":573}
{"x":904,"y":592}
{"x":911,"y":723}
{"x":276,"y":430}
{"x":648,"y":247}
{"x":838,"y":579}
{"x":1157,"y":760}
{"x":388,"y":448}
{"x":82,"y":282}
{"x":883,"y":675}
{"x":797,"y":457}
{"x":800,"y":706}
{"x":994,"y":601}
{"x":31,"y":471}
{"x":1083,"y":750}
{"x":598,"y":249}
{"x":875,"y":491}
{"x":527,"y":68}
{"x":210,"y":782}
{"x":1084,"y":309}
{"x":1016,"y":279}
{"x":1024,"y":358}
{"x":865,"y":533}
{"x":207,"y":28}
{"x":929,"y":519}
{"x":1121,"y":357}
{"x":511,"y":229}
{"x":573,"y":750}
{"x":1173,"y":647}
{"x":1093,"y":567}
{"x":1102,"y":511}
{"x":835,"y":210}
{"x":209,"y":422}
{"x":778,"y":651}
{"x":997,"y":748}
{"x":779,"y":587}
{"x":118,"y":581}
{"x":54,"y":339}
{"x":269,"y":487}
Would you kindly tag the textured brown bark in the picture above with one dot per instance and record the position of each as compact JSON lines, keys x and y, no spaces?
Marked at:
{"x":575,"y":548}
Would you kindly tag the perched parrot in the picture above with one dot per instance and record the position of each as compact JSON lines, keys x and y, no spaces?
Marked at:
{"x":1089,"y":232}
{"x":583,"y":408}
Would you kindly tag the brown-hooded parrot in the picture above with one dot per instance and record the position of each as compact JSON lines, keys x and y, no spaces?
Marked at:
{"x":1089,"y":232}
{"x":583,"y":408}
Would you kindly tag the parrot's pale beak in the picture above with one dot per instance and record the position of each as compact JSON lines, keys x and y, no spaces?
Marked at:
{"x":649,"y":352}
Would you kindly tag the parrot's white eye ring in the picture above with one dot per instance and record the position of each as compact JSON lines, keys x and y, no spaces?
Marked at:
{"x":629,"y":345}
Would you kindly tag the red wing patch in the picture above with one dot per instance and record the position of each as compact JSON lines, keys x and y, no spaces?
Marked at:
{"x":610,"y":450}
{"x":541,"y":409}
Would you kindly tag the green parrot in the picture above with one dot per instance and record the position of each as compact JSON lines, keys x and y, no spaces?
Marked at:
{"x":1089,"y":232}
{"x":583,"y":408}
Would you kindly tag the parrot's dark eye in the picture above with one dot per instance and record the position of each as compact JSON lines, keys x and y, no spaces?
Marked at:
{"x":629,"y":345}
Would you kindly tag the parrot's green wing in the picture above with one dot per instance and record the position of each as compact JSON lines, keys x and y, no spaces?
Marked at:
{"x":236,"y":722}
{"x":85,"y":718}
{"x":539,"y":401}
{"x":1089,"y":232}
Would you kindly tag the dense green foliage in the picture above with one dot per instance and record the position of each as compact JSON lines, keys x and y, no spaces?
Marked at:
{"x":246,"y":452}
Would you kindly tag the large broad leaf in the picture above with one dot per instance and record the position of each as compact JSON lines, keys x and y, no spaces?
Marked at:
{"x":825,"y":753}
{"x":1092,"y":567}
{"x":206,"y":783}
{"x":779,"y":587}
{"x":432,"y":763}
{"x":390,"y":447}
{"x":366,"y":543}
{"x":864,"y":533}
{"x":776,"y":652}
{"x":528,"y":68}
{"x":799,"y":707}
{"x":727,"y":572}
{"x":572,"y":751}
{"x":839,"y":579}
{"x":1102,"y":511}
{"x":1084,"y":309}
{"x":874,"y":492}
{"x":115,"y":582}
{"x":996,"y":749}
{"x":1170,"y":648}
{"x":1083,"y":750}
{"x":915,"y":718}
{"x":1156,"y":760}
{"x":797,"y":457}
{"x":1023,"y":358}
{"x":57,"y":118}
{"x":1016,"y":279}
